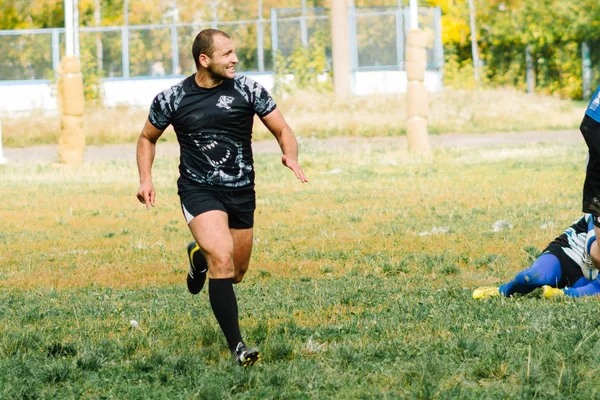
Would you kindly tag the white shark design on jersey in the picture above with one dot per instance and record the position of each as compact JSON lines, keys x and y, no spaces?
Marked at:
{"x":222,"y":153}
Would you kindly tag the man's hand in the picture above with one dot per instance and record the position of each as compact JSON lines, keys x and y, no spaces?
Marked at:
{"x":146,"y":195}
{"x":292,"y":164}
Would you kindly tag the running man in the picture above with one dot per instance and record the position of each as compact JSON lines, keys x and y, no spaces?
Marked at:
{"x":212,"y":113}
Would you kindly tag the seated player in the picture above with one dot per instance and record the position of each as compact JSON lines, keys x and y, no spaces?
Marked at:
{"x":564,"y":267}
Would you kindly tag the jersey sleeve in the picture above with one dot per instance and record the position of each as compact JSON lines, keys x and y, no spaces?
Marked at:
{"x":263,"y":102}
{"x":259,"y":98}
{"x":160,"y":112}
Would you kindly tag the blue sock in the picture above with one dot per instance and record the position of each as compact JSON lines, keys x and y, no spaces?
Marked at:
{"x":545,"y":270}
{"x":591,"y":289}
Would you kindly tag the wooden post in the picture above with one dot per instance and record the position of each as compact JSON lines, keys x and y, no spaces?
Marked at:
{"x":342,"y":78}
{"x":71,"y":143}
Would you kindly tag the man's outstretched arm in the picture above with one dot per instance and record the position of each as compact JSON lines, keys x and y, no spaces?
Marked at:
{"x":277,"y":125}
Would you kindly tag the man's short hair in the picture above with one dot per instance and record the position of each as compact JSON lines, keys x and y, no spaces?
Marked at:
{"x":204,"y":44}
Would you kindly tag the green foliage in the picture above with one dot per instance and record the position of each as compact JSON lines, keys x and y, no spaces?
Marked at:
{"x":305,"y":69}
{"x":554,"y":30}
{"x":91,"y":76}
{"x":459,"y":74}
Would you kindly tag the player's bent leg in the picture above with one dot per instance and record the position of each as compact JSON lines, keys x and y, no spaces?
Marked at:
{"x":242,"y":251}
{"x":545,"y":270}
{"x":211,"y":231}
{"x":591,"y":289}
{"x":198,"y":268}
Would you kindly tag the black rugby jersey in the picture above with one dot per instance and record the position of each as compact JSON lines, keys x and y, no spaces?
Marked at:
{"x":214,"y":129}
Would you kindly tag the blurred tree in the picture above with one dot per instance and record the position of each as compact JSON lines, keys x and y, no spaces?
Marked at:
{"x":554,"y":30}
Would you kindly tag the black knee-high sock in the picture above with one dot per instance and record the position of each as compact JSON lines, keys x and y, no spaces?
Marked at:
{"x":224,"y":305}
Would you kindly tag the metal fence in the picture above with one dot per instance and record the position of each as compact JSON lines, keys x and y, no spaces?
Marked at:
{"x":377,"y":41}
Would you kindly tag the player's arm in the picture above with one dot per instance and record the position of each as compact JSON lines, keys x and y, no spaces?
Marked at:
{"x":277,"y":125}
{"x":146,"y":150}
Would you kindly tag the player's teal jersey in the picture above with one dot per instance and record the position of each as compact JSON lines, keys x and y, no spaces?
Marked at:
{"x":593,"y":109}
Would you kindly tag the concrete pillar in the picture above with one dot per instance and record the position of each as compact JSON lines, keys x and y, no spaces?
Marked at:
{"x":417,"y":99}
{"x":71,"y":143}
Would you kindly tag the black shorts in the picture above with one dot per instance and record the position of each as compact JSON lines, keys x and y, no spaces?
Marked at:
{"x":590,"y":129}
{"x":570,"y":271}
{"x":238,"y":204}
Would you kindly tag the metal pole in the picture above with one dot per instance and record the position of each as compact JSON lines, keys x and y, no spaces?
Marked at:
{"x":400,"y":37}
{"x":303,"y":28}
{"x":125,"y":40}
{"x":274,"y":39}
{"x":69,"y":28}
{"x":438,"y":47}
{"x":352,"y":39}
{"x":98,"y":21}
{"x":214,"y":4}
{"x":76,"y":28}
{"x":587,"y":70}
{"x":474,"y":49}
{"x":414,"y":14}
{"x":260,"y":38}
{"x":2,"y":159}
{"x":55,"y":49}
{"x":529,"y":74}
{"x":175,"y":40}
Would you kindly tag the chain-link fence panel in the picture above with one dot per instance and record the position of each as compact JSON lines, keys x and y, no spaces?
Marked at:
{"x":26,"y":56}
{"x":292,"y":28}
{"x":377,"y":37}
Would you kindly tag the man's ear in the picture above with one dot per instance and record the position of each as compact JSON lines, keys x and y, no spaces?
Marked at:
{"x":204,"y":60}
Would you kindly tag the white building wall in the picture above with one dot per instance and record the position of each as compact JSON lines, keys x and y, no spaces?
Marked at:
{"x":30,"y":96}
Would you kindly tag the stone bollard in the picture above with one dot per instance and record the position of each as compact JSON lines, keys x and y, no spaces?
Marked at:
{"x":71,"y":143}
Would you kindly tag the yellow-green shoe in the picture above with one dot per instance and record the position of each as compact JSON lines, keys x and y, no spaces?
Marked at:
{"x":485,"y":292}
{"x":549,"y":292}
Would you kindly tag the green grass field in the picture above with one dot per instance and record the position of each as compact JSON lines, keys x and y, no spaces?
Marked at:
{"x":359,"y":286}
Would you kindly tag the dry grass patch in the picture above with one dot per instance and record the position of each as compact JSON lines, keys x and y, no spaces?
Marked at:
{"x":382,"y":212}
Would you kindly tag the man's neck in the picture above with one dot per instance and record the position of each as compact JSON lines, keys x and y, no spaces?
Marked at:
{"x":204,"y":80}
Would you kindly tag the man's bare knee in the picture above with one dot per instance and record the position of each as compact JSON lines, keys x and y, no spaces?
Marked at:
{"x":222,"y":262}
